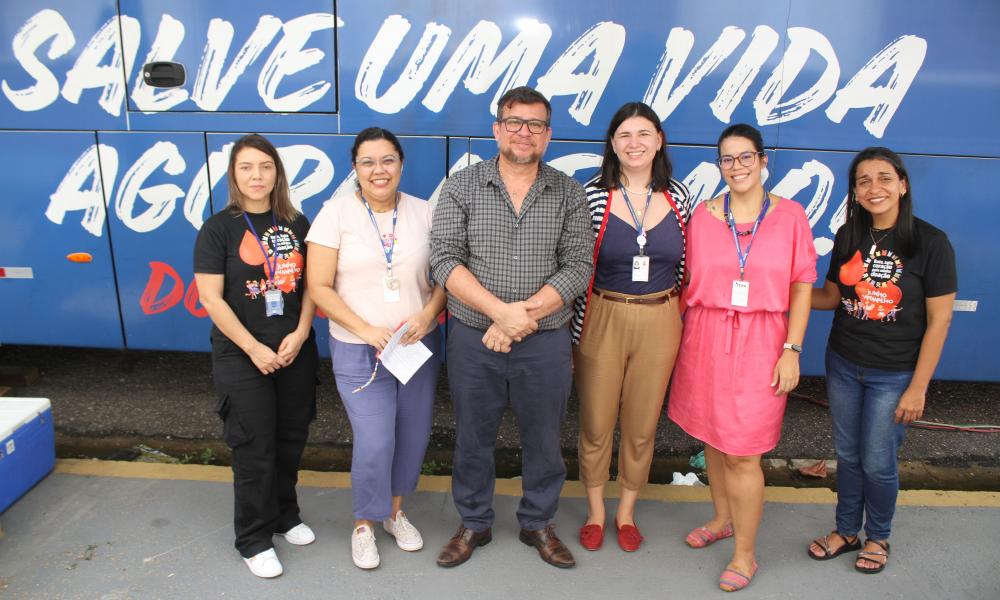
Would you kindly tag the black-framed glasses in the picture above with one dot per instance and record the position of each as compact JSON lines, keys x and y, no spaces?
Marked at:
{"x":747,"y":159}
{"x":514,"y":124}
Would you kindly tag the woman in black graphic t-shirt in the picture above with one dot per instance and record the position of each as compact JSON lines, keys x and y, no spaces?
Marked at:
{"x":249,"y":261}
{"x":892,"y":283}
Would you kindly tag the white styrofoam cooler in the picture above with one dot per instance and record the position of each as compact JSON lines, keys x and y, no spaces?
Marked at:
{"x":27,"y":446}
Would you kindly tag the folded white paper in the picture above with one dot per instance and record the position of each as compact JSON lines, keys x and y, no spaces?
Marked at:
{"x":403,"y":361}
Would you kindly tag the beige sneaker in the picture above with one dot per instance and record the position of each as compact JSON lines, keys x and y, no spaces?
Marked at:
{"x":407,"y":536}
{"x":363,"y":548}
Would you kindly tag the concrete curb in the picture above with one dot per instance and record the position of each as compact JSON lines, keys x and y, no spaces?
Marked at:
{"x":914,"y":475}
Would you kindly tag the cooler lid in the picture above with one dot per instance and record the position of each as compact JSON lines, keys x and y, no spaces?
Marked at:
{"x":15,"y":412}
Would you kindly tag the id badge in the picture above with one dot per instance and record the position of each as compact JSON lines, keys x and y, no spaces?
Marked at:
{"x":390,"y":289}
{"x":741,"y":293}
{"x":640,"y":268}
{"x":274,"y":303}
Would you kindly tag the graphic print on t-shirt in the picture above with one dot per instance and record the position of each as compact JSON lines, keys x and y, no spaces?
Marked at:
{"x":277,"y":241}
{"x":874,"y":279}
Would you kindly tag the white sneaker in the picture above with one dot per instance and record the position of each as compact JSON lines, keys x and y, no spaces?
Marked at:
{"x":265,"y":564}
{"x":363,"y":549}
{"x":300,"y":535}
{"x":407,"y":536}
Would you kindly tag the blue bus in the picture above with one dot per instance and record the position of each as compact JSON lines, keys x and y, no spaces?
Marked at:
{"x":110,"y":178}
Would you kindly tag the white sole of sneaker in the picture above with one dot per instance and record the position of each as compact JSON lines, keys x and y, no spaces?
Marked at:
{"x":409,"y":547}
{"x":295,"y":541}
{"x":403,"y":545}
{"x":366,"y":565}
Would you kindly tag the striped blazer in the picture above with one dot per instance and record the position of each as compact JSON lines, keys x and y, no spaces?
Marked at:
{"x":597,"y":200}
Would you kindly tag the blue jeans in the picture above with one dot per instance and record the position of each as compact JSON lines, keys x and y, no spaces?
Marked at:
{"x":863,"y":404}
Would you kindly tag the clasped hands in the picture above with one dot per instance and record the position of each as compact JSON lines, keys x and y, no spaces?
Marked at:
{"x":512,"y":323}
{"x":268,"y":361}
{"x":378,"y":337}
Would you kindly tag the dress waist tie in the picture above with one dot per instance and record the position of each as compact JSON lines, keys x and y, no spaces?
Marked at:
{"x":734,"y":316}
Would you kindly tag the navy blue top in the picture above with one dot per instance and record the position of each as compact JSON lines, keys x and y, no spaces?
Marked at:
{"x":664,"y":246}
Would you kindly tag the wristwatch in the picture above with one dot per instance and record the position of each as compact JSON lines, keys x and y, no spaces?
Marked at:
{"x":792,"y":347}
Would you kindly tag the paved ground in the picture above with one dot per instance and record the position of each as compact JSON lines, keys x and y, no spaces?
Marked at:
{"x":115,"y":538}
{"x":105,"y":402}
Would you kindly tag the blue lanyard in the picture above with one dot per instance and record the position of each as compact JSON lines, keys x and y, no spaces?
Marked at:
{"x":392,"y":244}
{"x":271,"y":267}
{"x":731,"y":222}
{"x":640,"y":238}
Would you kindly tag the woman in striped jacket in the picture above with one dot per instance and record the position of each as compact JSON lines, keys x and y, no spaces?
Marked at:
{"x":627,"y":328}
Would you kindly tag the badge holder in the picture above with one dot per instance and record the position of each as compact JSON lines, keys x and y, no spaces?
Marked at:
{"x":640,"y":263}
{"x":741,"y":293}
{"x":741,"y":287}
{"x":390,"y":288}
{"x":274,"y":303}
{"x":390,"y":284}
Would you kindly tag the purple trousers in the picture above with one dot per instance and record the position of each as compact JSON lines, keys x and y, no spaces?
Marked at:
{"x":391,"y":423}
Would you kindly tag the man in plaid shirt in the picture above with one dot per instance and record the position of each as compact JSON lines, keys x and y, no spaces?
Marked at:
{"x":513,"y":244}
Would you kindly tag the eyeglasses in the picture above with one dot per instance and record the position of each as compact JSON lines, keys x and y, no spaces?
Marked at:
{"x":387,"y":162}
{"x":747,"y":159}
{"x":514,"y":124}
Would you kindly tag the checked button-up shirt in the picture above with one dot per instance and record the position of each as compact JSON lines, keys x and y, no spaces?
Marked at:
{"x":513,"y":254}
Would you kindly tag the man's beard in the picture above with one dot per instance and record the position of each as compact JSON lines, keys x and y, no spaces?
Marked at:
{"x":532,"y":158}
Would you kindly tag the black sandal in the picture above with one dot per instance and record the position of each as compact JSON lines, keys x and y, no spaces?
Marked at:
{"x":863,"y":555}
{"x":824,"y":544}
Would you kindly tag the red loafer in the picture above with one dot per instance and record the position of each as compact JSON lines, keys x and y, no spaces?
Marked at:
{"x":629,"y":537}
{"x":592,"y":536}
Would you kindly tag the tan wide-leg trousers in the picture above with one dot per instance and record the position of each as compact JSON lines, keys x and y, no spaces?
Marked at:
{"x":621,"y":370}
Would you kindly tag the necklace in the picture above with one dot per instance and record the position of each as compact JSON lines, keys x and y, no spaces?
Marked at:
{"x":645,"y":190}
{"x":875,"y":243}
{"x":732,"y":223}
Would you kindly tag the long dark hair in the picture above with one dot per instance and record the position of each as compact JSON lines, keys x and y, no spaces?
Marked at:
{"x":281,"y":202}
{"x":611,"y":167}
{"x":859,"y":221}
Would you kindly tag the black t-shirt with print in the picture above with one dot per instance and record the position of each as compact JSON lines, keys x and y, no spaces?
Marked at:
{"x":882,"y":316}
{"x":226,"y":246}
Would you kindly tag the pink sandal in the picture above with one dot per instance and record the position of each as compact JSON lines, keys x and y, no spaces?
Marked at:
{"x":732,"y":580}
{"x":702,"y":536}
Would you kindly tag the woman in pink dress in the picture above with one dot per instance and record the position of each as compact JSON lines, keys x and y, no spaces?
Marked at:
{"x":752,"y":265}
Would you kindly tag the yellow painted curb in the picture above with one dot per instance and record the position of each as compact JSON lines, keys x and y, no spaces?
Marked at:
{"x":512,"y":487}
{"x":140,"y":470}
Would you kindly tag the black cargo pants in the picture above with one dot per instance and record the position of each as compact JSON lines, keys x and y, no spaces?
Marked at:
{"x":266,"y":422}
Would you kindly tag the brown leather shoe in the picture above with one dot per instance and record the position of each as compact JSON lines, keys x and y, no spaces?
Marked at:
{"x":459,"y":548}
{"x":549,"y":546}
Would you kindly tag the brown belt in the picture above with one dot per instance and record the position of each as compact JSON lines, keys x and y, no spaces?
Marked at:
{"x":671,"y":293}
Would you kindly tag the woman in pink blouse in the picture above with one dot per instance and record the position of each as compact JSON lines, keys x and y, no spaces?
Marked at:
{"x":752,"y":264}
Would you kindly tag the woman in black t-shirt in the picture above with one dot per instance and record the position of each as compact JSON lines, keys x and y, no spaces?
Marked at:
{"x":249,"y":261}
{"x":892,"y":283}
